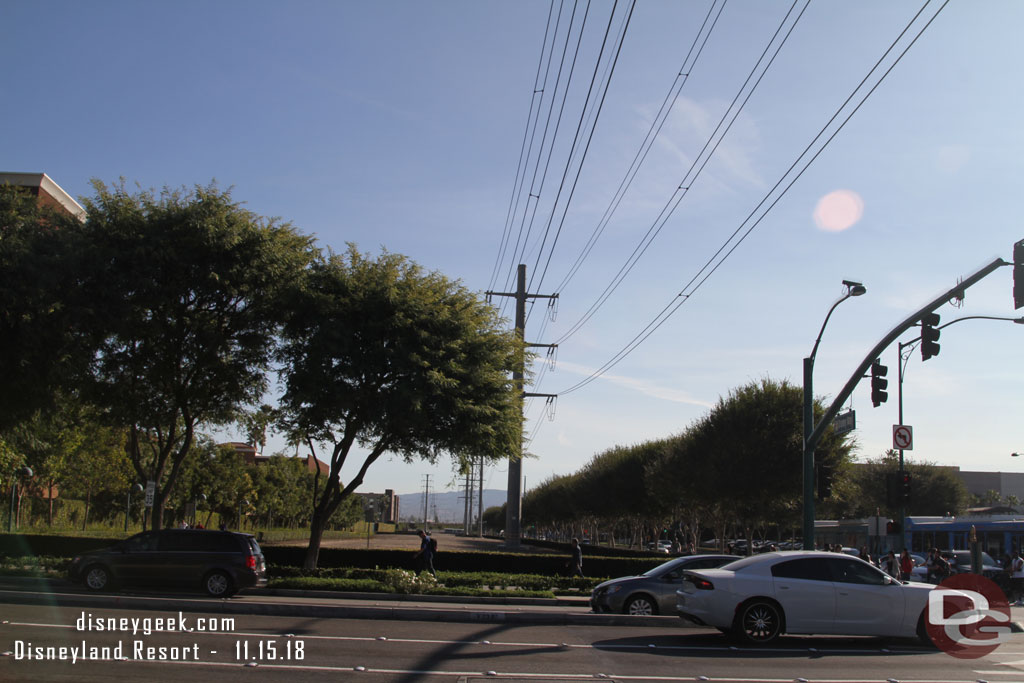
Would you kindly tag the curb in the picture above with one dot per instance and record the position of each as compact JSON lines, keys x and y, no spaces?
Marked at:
{"x":468,"y":610}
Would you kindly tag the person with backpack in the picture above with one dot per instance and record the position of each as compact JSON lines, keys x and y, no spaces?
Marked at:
{"x":428,"y":547}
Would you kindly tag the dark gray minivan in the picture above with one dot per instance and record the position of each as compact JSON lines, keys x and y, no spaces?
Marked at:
{"x":220,"y":562}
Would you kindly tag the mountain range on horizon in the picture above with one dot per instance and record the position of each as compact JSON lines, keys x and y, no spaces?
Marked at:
{"x":445,"y":506}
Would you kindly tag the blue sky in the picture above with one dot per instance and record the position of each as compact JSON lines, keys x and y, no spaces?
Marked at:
{"x":400,"y":125}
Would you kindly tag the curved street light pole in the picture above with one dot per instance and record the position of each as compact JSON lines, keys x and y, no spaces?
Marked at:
{"x":852,"y":289}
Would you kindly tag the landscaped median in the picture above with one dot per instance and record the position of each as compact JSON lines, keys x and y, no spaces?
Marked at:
{"x":480,"y":574}
{"x":472,"y":584}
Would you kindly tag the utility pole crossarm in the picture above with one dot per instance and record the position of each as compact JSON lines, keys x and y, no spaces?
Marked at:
{"x":911,"y":321}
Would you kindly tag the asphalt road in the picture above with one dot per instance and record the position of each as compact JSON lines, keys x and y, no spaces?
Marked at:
{"x":484,"y":643}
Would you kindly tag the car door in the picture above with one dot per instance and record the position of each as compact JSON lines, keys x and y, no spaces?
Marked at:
{"x":868,"y":602}
{"x":138,"y":559}
{"x":804,"y":588}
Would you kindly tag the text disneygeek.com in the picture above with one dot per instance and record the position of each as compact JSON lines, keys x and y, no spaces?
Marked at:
{"x":142,"y":649}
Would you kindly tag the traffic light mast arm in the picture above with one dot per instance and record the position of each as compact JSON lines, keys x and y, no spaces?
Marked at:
{"x":837,"y":404}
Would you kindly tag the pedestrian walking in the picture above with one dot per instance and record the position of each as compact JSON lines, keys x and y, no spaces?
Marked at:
{"x":428,"y":547}
{"x":906,"y":566}
{"x":890,"y":565}
{"x":577,"y":557}
{"x":1017,"y":578}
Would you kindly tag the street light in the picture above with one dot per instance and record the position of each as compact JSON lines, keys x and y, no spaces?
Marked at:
{"x":195,"y":507}
{"x":23,"y":473}
{"x":137,"y":488}
{"x":905,"y":350}
{"x":852,"y":289}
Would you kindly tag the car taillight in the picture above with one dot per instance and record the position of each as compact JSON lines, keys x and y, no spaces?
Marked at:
{"x":702,"y":584}
{"x":250,"y":562}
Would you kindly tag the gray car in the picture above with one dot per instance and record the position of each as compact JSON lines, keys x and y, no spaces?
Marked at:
{"x":654,"y":591}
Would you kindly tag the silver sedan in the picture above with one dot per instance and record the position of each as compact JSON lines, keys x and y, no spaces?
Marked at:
{"x":654,"y":591}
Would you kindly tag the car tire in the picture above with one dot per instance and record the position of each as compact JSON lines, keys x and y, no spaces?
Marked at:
{"x":97,"y":578}
{"x":218,"y":584}
{"x":758,"y":622}
{"x":922,"y":632}
{"x":641,"y":605}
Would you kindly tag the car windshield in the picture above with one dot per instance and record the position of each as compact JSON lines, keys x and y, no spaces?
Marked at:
{"x":741,"y":564}
{"x":663,"y":567}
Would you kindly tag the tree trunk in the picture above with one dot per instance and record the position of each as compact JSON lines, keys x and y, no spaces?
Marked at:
{"x":316,"y":533}
{"x":88,"y":500}
{"x":49,"y":495}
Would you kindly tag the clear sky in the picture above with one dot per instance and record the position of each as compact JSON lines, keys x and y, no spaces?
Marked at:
{"x":401,"y":125}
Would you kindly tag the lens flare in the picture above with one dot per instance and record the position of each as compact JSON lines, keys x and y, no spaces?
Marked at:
{"x":838,"y":210}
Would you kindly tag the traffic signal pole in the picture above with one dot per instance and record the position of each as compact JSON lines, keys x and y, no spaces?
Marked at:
{"x":813,"y":436}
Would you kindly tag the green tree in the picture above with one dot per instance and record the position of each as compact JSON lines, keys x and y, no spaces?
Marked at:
{"x":43,"y":313}
{"x":188,"y":283}
{"x":494,"y":518}
{"x":745,"y":454}
{"x":284,"y":488}
{"x":383,"y":357}
{"x":934,"y":490}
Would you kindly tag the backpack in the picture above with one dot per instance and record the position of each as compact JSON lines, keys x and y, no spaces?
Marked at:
{"x":432,"y":544}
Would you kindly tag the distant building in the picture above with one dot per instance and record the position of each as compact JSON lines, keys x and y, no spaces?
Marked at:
{"x":380,"y":507}
{"x":253,"y":457}
{"x":47,"y":192}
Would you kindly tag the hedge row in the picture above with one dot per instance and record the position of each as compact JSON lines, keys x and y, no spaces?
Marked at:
{"x":16,"y":545}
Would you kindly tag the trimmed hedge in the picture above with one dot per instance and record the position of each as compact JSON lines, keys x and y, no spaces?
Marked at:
{"x":17,"y":545}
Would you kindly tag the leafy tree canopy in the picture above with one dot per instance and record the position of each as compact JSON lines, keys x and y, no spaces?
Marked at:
{"x":380,"y":354}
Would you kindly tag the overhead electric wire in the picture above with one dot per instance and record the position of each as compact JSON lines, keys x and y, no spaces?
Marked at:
{"x":520,"y":239}
{"x":699,"y":162}
{"x":684,"y":296}
{"x":520,"y":165}
{"x":652,"y":133}
{"x":583,"y":124}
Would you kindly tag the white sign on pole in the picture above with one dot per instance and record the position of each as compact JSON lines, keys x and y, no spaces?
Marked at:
{"x":903,"y":437}
{"x":150,"y":493}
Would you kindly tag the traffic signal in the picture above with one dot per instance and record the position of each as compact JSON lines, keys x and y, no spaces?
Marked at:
{"x":905,"y":487}
{"x":1018,"y":274}
{"x":823,"y":476}
{"x":929,"y":335}
{"x":878,"y":383}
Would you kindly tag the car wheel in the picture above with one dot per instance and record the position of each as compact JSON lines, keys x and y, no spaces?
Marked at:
{"x":218,"y":584}
{"x":922,"y":632}
{"x":97,"y":578}
{"x":759,"y":622}
{"x":641,"y":605}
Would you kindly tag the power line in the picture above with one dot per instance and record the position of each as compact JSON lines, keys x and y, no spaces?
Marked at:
{"x":685,"y":295}
{"x":696,"y":168}
{"x":652,"y":133}
{"x":516,"y":185}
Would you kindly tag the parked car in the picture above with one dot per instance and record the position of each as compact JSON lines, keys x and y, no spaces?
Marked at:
{"x":960,"y":563}
{"x":219,"y":562}
{"x":654,"y":591}
{"x":763,"y":596}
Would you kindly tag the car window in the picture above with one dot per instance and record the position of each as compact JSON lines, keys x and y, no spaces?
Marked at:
{"x":140,"y":542}
{"x":856,"y":571}
{"x":706,"y":563}
{"x":809,"y":568}
{"x":172,"y":541}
